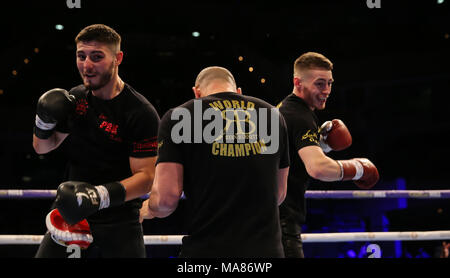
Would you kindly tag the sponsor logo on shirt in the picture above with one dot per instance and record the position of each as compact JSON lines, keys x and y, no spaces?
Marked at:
{"x":81,"y":106}
{"x":146,"y":145}
{"x":109,"y":128}
{"x":160,"y":144}
{"x":312,"y":137}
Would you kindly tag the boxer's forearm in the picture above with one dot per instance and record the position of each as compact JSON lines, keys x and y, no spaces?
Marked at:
{"x":43,"y":146}
{"x":161,"y":207}
{"x":140,"y":183}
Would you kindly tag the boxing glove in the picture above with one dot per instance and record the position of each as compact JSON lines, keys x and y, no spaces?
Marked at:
{"x":64,"y":234}
{"x":361,"y":170}
{"x":334,"y":135}
{"x":53,"y":106}
{"x":77,"y":200}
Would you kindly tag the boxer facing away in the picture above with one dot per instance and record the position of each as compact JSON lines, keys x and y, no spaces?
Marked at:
{"x":109,"y":131}
{"x":308,"y":143}
{"x":233,"y":181}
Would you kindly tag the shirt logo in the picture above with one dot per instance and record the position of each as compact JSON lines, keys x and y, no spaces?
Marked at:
{"x":146,"y":145}
{"x":81,"y":106}
{"x":110,"y":129}
{"x":311,"y":137}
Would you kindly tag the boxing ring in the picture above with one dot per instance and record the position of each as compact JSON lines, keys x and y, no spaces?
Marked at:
{"x":307,"y":237}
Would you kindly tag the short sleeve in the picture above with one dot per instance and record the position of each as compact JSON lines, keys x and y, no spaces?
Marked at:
{"x":304,"y":133}
{"x":144,"y":132}
{"x":168,"y":150}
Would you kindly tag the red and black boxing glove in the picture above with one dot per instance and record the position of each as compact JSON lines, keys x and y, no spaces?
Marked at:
{"x":334,"y":135}
{"x":361,"y":170}
{"x":64,"y":234}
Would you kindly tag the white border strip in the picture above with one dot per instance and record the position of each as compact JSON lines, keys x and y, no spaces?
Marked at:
{"x":309,"y":194}
{"x":324,"y":237}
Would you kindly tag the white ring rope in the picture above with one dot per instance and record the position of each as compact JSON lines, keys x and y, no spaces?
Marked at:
{"x":310,"y":194}
{"x":320,"y":237}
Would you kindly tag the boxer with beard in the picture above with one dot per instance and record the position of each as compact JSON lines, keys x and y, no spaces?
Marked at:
{"x":109,"y":133}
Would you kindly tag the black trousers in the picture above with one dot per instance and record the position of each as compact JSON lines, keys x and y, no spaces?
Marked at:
{"x":292,"y":240}
{"x":111,"y":240}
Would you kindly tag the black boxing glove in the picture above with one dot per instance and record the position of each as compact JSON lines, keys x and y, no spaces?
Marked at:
{"x":77,"y":200}
{"x":53,"y":106}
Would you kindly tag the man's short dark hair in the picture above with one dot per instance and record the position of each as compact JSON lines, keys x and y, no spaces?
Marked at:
{"x":100,"y":33}
{"x":312,"y":60}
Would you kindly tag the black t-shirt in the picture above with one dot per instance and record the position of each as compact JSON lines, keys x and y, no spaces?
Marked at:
{"x":104,"y":134}
{"x":230,"y":186}
{"x":302,"y":124}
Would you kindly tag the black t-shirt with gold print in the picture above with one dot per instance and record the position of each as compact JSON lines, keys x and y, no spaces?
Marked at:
{"x":303,"y":131}
{"x":230,"y":182}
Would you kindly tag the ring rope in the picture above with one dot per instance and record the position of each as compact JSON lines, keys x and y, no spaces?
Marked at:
{"x":307,"y":238}
{"x":312,"y":194}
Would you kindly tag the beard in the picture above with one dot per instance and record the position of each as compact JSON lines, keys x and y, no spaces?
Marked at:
{"x":104,"y":79}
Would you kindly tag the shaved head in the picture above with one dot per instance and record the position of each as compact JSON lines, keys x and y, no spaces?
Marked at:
{"x":219,"y":74}
{"x":212,"y":80}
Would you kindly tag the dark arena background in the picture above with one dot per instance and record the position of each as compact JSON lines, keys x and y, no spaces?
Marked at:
{"x":392,"y":80}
